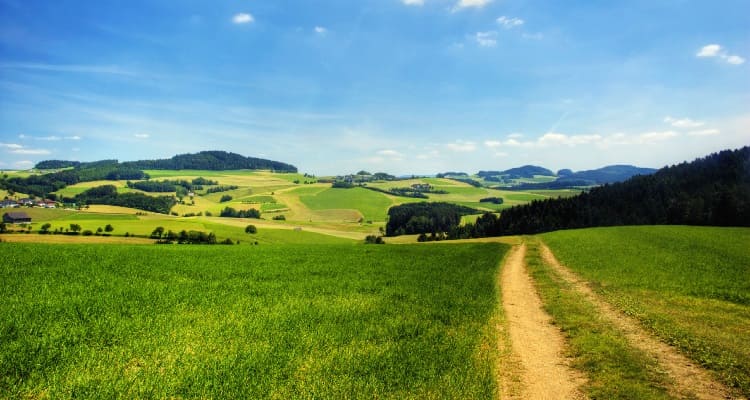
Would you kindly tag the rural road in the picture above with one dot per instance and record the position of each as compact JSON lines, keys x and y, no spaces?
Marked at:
{"x":545,"y":373}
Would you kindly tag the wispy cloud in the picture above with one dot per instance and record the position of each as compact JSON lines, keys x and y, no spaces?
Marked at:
{"x":413,"y":2}
{"x":554,"y":139}
{"x":27,"y":151}
{"x":704,"y":132}
{"x":510,"y":22}
{"x":683,"y":123}
{"x":243,"y":18}
{"x":715,"y":50}
{"x":142,"y":135}
{"x":71,"y":68}
{"x":11,"y":146}
{"x":470,"y":4}
{"x":320,"y":30}
{"x":486,"y":39}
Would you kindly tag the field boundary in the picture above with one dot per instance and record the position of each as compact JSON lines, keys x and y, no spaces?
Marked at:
{"x":686,"y":378}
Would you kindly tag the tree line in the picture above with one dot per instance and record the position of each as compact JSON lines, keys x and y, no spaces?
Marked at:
{"x":108,"y":195}
{"x":414,"y":218}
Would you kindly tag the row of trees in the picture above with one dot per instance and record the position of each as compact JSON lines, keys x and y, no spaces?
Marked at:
{"x":230,"y":212}
{"x":107,"y":194}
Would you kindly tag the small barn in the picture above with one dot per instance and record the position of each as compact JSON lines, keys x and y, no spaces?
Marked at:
{"x":16,"y":217}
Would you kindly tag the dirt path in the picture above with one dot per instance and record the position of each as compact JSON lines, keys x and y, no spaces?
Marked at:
{"x":538,"y":345}
{"x":689,"y":379}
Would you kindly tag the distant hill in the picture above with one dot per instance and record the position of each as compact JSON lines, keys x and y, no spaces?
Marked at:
{"x":204,"y":160}
{"x":714,"y":190}
{"x":526,"y":171}
{"x":608,"y":174}
{"x":601,"y":176}
{"x":212,"y":160}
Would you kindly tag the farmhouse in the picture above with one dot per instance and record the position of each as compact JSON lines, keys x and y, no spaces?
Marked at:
{"x":16,"y":217}
{"x":8,"y":204}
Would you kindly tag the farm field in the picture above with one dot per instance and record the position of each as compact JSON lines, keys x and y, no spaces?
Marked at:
{"x":690,"y":286}
{"x":409,"y":321}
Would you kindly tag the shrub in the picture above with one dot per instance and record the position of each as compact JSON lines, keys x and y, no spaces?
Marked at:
{"x":251,"y":229}
{"x":225,"y":198}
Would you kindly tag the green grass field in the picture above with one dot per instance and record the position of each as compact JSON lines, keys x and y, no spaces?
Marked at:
{"x":689,"y":285}
{"x":235,"y":322}
{"x":372,"y":205}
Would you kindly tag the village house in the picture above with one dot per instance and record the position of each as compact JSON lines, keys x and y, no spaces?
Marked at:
{"x":16,"y":218}
{"x":8,"y":204}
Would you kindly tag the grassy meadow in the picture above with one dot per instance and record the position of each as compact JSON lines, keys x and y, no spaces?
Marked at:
{"x":689,"y":285}
{"x":323,"y":321}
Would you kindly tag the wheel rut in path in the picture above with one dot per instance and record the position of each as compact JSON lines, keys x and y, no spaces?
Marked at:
{"x":538,"y":345}
{"x":689,"y":379}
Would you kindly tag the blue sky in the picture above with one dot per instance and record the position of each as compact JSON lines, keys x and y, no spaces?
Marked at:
{"x":400,"y":86}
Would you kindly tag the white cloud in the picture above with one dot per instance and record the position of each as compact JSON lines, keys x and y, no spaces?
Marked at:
{"x":715,"y":50}
{"x":243,"y":18}
{"x":515,"y":135}
{"x":413,"y":2}
{"x":76,"y":137}
{"x":320,"y":30}
{"x":471,"y":4}
{"x":493,"y":143}
{"x":49,"y":138}
{"x":711,"y":50}
{"x":461,"y":146}
{"x":142,"y":135}
{"x":683,"y":123}
{"x":486,"y":39}
{"x":704,"y":132}
{"x":11,"y":146}
{"x":734,"y":60}
{"x":510,"y":22}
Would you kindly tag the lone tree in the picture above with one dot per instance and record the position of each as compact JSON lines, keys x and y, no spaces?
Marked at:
{"x":75,"y":228}
{"x":109,"y":228}
{"x":45,"y":228}
{"x":158,"y":232}
{"x":251,"y":229}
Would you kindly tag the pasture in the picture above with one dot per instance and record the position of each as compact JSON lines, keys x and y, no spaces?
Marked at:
{"x":331,"y":321}
{"x":689,"y":285}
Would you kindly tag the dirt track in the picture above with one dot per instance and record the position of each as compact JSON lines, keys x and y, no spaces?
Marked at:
{"x":689,"y":380}
{"x":545,"y":373}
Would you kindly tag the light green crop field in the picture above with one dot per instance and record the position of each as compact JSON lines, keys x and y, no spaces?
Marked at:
{"x":689,"y":285}
{"x":115,"y":321}
{"x":372,"y":205}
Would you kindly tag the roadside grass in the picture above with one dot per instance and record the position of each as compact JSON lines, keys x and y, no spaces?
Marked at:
{"x":114,"y":321}
{"x":688,"y":285}
{"x":372,"y":205}
{"x":614,"y":369}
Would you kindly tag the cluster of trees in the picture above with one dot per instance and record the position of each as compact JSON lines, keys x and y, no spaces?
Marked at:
{"x":714,"y":190}
{"x":186,"y":237}
{"x":107,"y":194}
{"x":414,"y":218}
{"x":526,"y":171}
{"x":450,"y":174}
{"x":493,"y":200}
{"x":401,"y":192}
{"x":212,"y":160}
{"x":230,"y":212}
{"x":219,"y":189}
{"x":373,"y":239}
{"x":43,"y":185}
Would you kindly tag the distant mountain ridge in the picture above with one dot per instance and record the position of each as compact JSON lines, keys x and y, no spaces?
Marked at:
{"x":565,"y":177}
{"x":204,"y":160}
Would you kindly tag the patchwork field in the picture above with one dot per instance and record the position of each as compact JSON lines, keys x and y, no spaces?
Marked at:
{"x":235,"y":322}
